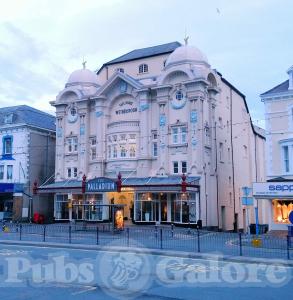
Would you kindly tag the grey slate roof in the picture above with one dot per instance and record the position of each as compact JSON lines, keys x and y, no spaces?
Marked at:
{"x":283,"y":87}
{"x":144,"y":52}
{"x":24,"y":114}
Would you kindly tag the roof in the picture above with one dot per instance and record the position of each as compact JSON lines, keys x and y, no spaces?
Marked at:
{"x":24,"y":114}
{"x":260,"y":131}
{"x":144,"y":52}
{"x":135,"y":181}
{"x":282,"y":87}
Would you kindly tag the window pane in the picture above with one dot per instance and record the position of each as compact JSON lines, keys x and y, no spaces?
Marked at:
{"x":184,"y":166}
{"x":175,"y":167}
{"x":9,"y":172}
{"x":1,"y":172}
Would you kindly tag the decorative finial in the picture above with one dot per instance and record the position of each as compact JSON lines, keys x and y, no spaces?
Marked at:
{"x":84,"y":63}
{"x":186,"y":40}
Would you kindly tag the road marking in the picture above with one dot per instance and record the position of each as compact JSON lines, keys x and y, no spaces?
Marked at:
{"x":88,"y":289}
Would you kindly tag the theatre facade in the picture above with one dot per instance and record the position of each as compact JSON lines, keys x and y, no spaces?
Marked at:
{"x":153,"y":133}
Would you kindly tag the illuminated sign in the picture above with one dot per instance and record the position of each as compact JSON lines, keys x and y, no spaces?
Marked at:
{"x":119,"y":219}
{"x":273,"y":189}
{"x":101,"y":184}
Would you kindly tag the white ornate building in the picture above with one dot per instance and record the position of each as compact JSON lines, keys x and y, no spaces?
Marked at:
{"x":152,"y":115}
{"x":277,"y":192}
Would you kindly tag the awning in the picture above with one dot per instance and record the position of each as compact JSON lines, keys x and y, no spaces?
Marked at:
{"x":168,"y":183}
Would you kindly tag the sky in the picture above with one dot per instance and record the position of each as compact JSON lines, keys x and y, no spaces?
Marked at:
{"x":41,"y":42}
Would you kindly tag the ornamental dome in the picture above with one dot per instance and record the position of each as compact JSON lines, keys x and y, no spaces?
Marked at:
{"x":186,"y":53}
{"x":82,"y":76}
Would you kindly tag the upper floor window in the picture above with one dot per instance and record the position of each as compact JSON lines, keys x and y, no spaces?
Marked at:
{"x":179,"y":95}
{"x":72,"y":144}
{"x":1,"y":172}
{"x":121,"y":70}
{"x":8,"y":118}
{"x":221,"y":152}
{"x":93,"y":149}
{"x":143,"y":68}
{"x":122,"y":151}
{"x":155,"y":143}
{"x":132,"y":150}
{"x":286,"y":158}
{"x":175,"y":167}
{"x":179,"y":135}
{"x":9,"y":172}
{"x":184,"y":167}
{"x":7,"y":145}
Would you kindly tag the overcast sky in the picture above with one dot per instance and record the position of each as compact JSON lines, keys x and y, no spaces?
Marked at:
{"x":42,"y":42}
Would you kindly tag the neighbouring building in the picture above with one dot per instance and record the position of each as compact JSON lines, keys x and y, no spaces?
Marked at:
{"x":277,"y":191}
{"x":27,"y":154}
{"x":152,"y":115}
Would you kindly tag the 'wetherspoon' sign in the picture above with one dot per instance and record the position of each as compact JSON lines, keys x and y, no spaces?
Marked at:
{"x":101,"y":184}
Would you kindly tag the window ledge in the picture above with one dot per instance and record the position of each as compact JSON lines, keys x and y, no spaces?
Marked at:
{"x":178,"y":145}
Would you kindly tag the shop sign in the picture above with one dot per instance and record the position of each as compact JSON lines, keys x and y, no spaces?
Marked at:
{"x":273,"y":189}
{"x":126,"y":110}
{"x":101,"y":184}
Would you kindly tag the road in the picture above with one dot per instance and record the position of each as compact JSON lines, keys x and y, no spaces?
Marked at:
{"x":48,"y":273}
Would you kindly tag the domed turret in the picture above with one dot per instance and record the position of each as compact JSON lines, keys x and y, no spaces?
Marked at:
{"x":186,"y":54}
{"x":82,"y":76}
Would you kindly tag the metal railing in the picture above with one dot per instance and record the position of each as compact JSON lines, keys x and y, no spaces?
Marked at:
{"x":154,"y":237}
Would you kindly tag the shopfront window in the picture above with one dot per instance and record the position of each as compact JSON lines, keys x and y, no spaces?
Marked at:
{"x":61,"y":207}
{"x":94,"y":208}
{"x":281,"y":211}
{"x":184,"y":207}
{"x":147,"y":207}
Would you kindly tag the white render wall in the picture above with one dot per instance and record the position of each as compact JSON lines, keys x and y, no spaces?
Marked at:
{"x":220,"y":186}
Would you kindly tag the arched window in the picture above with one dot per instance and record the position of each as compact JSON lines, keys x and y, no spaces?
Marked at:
{"x":143,"y":68}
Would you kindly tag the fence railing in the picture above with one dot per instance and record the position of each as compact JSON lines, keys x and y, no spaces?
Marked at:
{"x":154,"y":237}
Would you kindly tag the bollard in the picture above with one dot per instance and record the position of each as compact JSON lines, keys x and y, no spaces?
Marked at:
{"x":97,"y":235}
{"x":240,"y":243}
{"x":198,"y":241}
{"x":127,"y":230}
{"x":44,"y":233}
{"x":20,"y":231}
{"x":69,"y":234}
{"x":288,"y":247}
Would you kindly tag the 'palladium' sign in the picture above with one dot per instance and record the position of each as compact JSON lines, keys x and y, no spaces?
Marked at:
{"x":101,"y":184}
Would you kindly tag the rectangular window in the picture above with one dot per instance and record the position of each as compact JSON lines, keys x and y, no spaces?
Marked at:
{"x":132,"y":150}
{"x":115,"y":151}
{"x":72,"y":144}
{"x":155,"y":149}
{"x":175,"y":135}
{"x":9,"y":172}
{"x":69,"y":172}
{"x":1,"y":172}
{"x":184,"y":167}
{"x":286,"y":158}
{"x":175,"y":167}
{"x":93,"y":141}
{"x":7,"y":145}
{"x":75,"y":172}
{"x":183,"y":135}
{"x":94,"y":153}
{"x":122,"y":151}
{"x":221,"y":153}
{"x":109,"y":152}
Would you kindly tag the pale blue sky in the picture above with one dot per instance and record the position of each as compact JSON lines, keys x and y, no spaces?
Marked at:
{"x":42,"y":42}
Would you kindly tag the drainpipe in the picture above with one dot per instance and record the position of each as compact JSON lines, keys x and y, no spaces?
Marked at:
{"x":232,"y":157}
{"x":216,"y":174}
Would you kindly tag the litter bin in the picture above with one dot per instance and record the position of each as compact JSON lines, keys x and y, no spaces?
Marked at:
{"x":252,"y":229}
{"x":290,"y":230}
